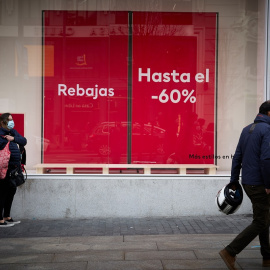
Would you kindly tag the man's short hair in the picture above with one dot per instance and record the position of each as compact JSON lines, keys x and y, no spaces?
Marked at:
{"x":265,"y":107}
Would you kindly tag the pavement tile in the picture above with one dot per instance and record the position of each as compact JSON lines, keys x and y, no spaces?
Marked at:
{"x":188,"y":245}
{"x":254,"y":244}
{"x":89,"y":256}
{"x":45,"y":266}
{"x":155,"y":255}
{"x":251,"y":264}
{"x":178,"y":237}
{"x":208,"y":237}
{"x":126,"y":265}
{"x":193,"y":264}
{"x":33,"y":240}
{"x":207,"y":253}
{"x":67,"y":247}
{"x":152,"y":238}
{"x":214,"y":254}
{"x":44,"y":248}
{"x":26,"y":258}
{"x":91,"y":239}
{"x":250,"y":254}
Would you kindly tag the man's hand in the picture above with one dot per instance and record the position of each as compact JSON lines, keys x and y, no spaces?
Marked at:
{"x":267,"y":191}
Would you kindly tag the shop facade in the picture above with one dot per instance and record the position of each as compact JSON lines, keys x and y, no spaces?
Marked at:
{"x":131,"y":82}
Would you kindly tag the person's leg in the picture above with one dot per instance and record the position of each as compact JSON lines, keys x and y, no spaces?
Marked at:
{"x":260,"y":204}
{"x":264,"y":242}
{"x":8,"y":202}
{"x":264,"y":237}
{"x":3,"y":194}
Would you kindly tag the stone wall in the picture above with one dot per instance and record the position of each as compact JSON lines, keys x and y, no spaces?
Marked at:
{"x":87,"y":196}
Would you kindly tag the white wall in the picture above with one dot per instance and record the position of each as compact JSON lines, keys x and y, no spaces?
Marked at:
{"x":84,"y":196}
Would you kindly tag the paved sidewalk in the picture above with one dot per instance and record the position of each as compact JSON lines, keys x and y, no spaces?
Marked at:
{"x":125,"y":244}
{"x":129,"y":226}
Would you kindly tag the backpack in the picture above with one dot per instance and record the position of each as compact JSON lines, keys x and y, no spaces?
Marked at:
{"x":23,"y":159}
{"x":4,"y":160}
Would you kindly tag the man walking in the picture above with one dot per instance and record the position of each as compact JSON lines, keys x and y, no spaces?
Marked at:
{"x":252,"y":155}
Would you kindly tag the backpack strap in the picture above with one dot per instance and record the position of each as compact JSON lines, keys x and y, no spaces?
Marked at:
{"x":247,"y":138}
{"x":252,"y":128}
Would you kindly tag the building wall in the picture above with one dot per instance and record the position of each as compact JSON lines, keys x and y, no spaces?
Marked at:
{"x":240,"y":90}
{"x":60,"y":197}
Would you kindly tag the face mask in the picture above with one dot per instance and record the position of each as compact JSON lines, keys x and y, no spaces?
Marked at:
{"x":10,"y":124}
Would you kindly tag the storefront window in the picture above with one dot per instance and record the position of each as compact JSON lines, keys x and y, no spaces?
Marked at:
{"x":132,"y":82}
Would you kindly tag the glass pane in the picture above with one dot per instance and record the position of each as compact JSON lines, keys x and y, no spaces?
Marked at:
{"x":174,"y":77}
{"x":85,"y":96}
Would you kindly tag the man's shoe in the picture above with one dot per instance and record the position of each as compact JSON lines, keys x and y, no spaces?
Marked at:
{"x":266,"y":262}
{"x":228,"y":259}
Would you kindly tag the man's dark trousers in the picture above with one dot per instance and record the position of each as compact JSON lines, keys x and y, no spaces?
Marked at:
{"x":260,"y":224}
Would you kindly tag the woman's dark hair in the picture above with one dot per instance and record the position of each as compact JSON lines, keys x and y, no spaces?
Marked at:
{"x":265,"y":107}
{"x":4,"y":118}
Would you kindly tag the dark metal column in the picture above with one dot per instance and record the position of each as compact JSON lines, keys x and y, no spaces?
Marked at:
{"x":129,"y":124}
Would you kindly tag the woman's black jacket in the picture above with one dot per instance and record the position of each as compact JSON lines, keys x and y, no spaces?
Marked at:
{"x":15,"y":154}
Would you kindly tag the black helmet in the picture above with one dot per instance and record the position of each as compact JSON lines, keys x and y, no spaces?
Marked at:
{"x":229,"y":198}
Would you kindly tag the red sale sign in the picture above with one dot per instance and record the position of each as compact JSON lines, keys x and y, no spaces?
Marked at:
{"x":122,"y":87}
{"x":174,"y":86}
{"x":85,"y":86}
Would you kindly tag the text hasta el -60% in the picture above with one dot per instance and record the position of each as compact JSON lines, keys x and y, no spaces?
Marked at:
{"x":175,"y":96}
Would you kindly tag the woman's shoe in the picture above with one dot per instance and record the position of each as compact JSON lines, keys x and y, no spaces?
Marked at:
{"x":11,"y":221}
{"x":6,"y":225}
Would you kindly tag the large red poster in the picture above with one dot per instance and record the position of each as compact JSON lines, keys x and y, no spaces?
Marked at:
{"x":85,"y":86}
{"x":173,"y":87}
{"x":125,"y":87}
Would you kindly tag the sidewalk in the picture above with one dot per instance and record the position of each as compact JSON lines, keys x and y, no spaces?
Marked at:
{"x":125,"y":244}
